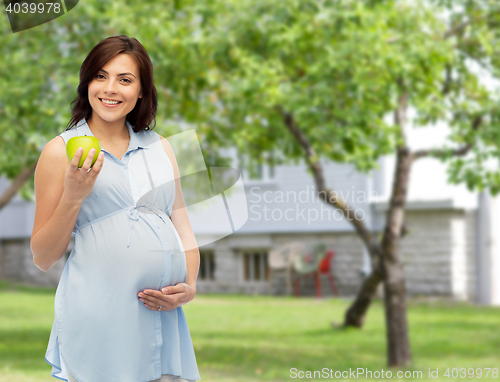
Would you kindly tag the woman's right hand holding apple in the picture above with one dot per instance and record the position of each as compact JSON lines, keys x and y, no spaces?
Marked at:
{"x":60,"y":189}
{"x":78,"y":182}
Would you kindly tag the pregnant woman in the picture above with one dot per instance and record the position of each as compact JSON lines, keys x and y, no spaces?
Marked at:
{"x":118,"y":314}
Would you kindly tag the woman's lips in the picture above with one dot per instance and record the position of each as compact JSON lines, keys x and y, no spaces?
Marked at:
{"x":109,"y":105}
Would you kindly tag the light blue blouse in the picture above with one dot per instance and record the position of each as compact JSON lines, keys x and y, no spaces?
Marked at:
{"x":125,"y":242}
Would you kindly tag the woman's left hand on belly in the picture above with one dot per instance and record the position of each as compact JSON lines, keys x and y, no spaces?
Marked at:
{"x":168,"y":298}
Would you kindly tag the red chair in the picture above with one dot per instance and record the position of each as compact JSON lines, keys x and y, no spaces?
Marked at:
{"x":324,"y":267}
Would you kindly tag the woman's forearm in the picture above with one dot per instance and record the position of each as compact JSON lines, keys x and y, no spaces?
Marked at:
{"x":193,"y":266}
{"x":51,"y":242}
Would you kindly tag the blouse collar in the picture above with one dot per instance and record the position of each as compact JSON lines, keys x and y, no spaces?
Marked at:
{"x":135,"y":139}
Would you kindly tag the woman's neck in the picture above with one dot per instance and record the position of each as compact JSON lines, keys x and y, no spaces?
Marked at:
{"x":108,"y":131}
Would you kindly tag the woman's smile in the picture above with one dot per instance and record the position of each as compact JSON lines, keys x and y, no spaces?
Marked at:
{"x":109,"y":102}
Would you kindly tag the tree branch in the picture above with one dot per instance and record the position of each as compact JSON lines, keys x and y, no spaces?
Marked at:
{"x":400,"y":112}
{"x":325,"y":194}
{"x":457,"y":28}
{"x":440,"y":153}
{"x":355,"y":315}
{"x":12,"y":190}
{"x":395,"y":215}
{"x":392,"y":40}
{"x":447,"y":80}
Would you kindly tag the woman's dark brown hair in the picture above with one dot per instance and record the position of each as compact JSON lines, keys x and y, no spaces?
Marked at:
{"x":144,"y":113}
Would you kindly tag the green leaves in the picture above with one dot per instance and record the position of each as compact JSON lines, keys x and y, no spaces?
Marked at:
{"x":223,"y":66}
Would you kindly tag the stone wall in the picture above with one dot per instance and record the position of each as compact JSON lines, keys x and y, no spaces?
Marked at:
{"x":471,"y":249}
{"x":16,"y":264}
{"x":438,"y":255}
{"x":346,"y":265}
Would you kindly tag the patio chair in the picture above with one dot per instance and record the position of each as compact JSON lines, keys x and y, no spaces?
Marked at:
{"x":315,"y":264}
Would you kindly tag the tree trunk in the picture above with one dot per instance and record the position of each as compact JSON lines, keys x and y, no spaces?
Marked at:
{"x":355,"y":315}
{"x":12,"y":190}
{"x":385,"y":257}
{"x":398,"y":344}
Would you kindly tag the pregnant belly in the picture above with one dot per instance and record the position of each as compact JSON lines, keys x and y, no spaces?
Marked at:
{"x":99,"y":304}
{"x":103,"y":258}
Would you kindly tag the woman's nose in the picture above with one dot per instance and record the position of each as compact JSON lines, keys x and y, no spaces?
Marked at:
{"x":110,"y":87}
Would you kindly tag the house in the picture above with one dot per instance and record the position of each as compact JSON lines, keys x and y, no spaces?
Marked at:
{"x":449,"y":249}
{"x":438,"y":252}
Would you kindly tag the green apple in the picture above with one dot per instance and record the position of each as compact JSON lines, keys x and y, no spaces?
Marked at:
{"x":85,"y":141}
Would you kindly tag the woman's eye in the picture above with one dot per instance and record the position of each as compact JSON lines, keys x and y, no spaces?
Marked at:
{"x":99,"y":76}
{"x":127,"y":80}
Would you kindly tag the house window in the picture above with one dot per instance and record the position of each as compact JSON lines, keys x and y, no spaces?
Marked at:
{"x":251,"y":170}
{"x":207,"y":265}
{"x":255,"y":266}
{"x":259,"y":172}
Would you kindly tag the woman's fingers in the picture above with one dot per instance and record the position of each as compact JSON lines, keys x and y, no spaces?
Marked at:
{"x":153,"y":302}
{"x":76,"y":159}
{"x":96,"y":168}
{"x":78,"y":183}
{"x":78,"y":156}
{"x":152,"y":298}
{"x":163,"y":308}
{"x":88,"y":160}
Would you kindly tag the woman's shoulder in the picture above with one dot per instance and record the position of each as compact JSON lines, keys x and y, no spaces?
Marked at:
{"x":54,"y":151}
{"x":73,"y":132}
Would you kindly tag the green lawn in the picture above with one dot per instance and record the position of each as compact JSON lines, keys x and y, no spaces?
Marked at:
{"x":245,"y":338}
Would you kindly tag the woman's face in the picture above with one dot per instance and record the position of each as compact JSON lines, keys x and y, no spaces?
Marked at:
{"x":114,"y":91}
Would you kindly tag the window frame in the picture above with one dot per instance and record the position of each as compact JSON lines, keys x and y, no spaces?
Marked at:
{"x":247,"y":262}
{"x":207,"y":265}
{"x":266,"y":170}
